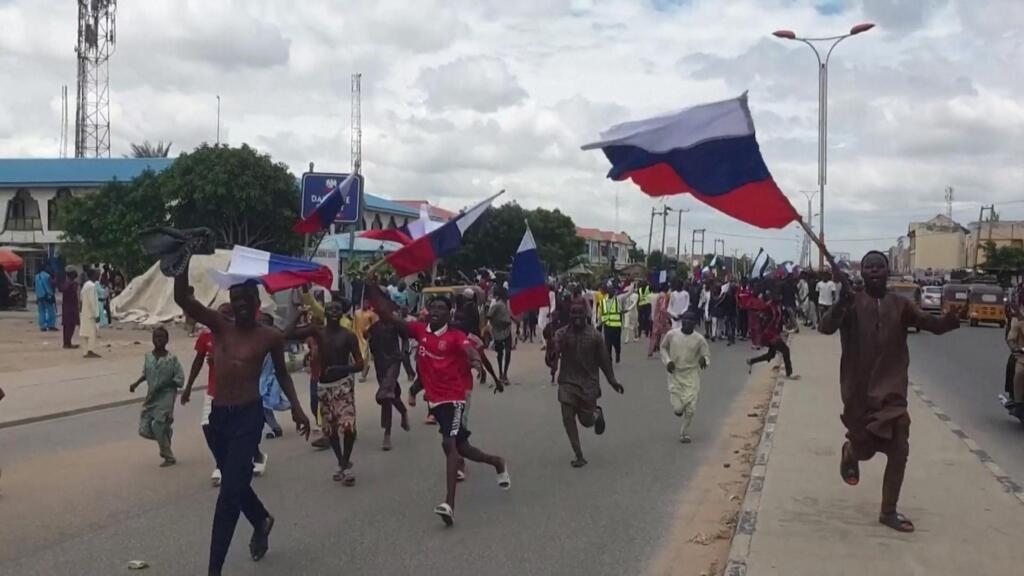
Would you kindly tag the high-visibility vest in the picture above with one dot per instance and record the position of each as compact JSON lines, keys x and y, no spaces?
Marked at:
{"x":645,"y":296}
{"x":610,"y":315}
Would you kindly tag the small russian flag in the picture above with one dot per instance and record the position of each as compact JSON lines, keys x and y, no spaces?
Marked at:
{"x":527,"y":287}
{"x":427,"y":249}
{"x":274,"y":271}
{"x":324,"y":214}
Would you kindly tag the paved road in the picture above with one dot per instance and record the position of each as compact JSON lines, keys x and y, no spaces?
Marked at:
{"x":86,"y":496}
{"x":963,"y":372}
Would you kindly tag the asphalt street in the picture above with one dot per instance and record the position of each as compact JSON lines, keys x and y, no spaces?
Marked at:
{"x":963,"y":373}
{"x":84,"y":494}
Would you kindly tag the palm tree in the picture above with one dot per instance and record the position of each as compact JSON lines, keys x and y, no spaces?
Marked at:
{"x":147,"y":150}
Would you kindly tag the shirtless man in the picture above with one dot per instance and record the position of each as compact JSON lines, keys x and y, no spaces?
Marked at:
{"x":873,"y":377}
{"x":339,"y":359}
{"x":387,"y":343}
{"x":236,"y":415}
{"x":581,"y":353}
{"x":444,"y":360}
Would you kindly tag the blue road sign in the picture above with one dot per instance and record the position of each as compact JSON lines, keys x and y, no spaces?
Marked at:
{"x":316,"y":185}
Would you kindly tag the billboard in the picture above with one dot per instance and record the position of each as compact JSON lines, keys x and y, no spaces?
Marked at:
{"x":316,"y":185}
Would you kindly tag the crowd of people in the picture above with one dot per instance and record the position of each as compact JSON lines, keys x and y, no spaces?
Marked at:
{"x":85,"y":302}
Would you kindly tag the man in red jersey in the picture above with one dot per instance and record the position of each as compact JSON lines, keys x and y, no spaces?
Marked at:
{"x":445,"y":360}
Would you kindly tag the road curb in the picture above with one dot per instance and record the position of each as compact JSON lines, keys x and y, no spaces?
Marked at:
{"x":746,"y":525}
{"x":1008,"y":483}
{"x":82,"y":410}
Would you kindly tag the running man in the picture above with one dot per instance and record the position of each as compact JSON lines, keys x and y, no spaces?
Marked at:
{"x":340,"y":359}
{"x":236,"y":418}
{"x":387,"y":343}
{"x":873,"y":377}
{"x":685,"y":353}
{"x":445,"y":358}
{"x":581,"y":353}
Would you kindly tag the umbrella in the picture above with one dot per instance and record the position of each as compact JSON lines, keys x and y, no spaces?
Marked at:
{"x":10,"y":261}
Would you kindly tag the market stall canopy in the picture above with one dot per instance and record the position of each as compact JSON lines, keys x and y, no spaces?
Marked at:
{"x":10,"y":261}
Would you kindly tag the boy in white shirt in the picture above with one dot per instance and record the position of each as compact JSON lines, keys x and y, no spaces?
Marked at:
{"x":685,"y":354}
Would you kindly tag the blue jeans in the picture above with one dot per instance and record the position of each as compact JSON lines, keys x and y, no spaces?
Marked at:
{"x":47,"y":315}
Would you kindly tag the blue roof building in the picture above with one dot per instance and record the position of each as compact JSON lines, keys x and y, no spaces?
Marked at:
{"x":31,"y":190}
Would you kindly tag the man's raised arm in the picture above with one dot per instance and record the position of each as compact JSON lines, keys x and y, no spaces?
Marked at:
{"x":184,"y":298}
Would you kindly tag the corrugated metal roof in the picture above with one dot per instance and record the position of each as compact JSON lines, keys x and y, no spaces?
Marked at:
{"x":18,"y":172}
{"x":57,"y":172}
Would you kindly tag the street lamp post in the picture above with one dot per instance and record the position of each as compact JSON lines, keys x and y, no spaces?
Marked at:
{"x":822,"y":110}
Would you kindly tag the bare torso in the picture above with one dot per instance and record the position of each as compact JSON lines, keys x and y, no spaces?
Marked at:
{"x":239,"y":355}
{"x":338,"y":347}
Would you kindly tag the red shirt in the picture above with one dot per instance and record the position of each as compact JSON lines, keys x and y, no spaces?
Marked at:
{"x":443,"y":366}
{"x":204,"y":345}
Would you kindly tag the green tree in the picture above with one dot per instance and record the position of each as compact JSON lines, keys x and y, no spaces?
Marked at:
{"x":636,"y":255}
{"x":492,"y":242}
{"x":1002,"y":258}
{"x":655,"y":260}
{"x":103,"y":226}
{"x":244,"y":196}
{"x":147,"y":150}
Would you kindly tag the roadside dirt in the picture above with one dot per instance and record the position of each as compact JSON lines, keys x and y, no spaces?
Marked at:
{"x":24,"y":347}
{"x":698,"y":544}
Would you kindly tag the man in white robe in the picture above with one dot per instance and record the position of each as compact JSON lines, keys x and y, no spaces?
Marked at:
{"x":89,"y":314}
{"x":685,"y":354}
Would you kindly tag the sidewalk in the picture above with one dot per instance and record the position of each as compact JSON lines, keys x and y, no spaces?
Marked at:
{"x":51,"y":392}
{"x":806,"y":521}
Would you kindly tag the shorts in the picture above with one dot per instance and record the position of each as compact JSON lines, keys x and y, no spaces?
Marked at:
{"x":207,"y":407}
{"x":450,"y":420}
{"x":337,"y":406}
{"x":574,"y":397}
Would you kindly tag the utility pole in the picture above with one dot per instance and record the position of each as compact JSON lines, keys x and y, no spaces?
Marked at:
{"x":650,"y":234}
{"x":664,"y":220}
{"x":694,"y":240}
{"x":218,"y":119}
{"x":977,"y":241}
{"x":679,"y":234}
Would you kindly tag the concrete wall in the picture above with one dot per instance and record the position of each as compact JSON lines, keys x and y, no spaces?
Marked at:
{"x":1006,"y":233}
{"x":938,"y":250}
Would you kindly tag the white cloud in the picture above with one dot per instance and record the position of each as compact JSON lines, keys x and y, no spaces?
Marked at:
{"x":463,"y":97}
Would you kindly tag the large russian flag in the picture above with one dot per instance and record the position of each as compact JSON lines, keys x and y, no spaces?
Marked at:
{"x":274,"y":271}
{"x":527,"y":285}
{"x":708,"y":151}
{"x":407,"y":233}
{"x":326,"y":211}
{"x":422,"y":252}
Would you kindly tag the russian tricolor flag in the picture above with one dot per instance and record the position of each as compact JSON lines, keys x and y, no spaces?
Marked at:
{"x":406,"y":234}
{"x":422,"y":252}
{"x":324,"y":214}
{"x":274,"y":271}
{"x":527,"y":287}
{"x":708,"y":151}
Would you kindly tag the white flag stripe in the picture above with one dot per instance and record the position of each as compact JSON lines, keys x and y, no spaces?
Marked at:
{"x":527,"y":242}
{"x":682,"y":129}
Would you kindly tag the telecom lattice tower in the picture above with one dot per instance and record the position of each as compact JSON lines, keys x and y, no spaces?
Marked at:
{"x":96,"y":38}
{"x":357,"y":124}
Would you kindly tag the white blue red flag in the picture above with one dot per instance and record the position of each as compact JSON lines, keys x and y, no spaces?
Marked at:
{"x":527,"y":287}
{"x":708,"y":151}
{"x":327,"y":210}
{"x":421,"y":253}
{"x":275,"y":271}
{"x":406,"y":234}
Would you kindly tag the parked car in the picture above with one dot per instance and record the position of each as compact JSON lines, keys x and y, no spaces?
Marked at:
{"x":931,"y":299}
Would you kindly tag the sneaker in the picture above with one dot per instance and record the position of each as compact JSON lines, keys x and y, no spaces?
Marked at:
{"x":259,"y":465}
{"x":168,"y":462}
{"x":445,"y":512}
{"x":215,"y":477}
{"x":685,"y":439}
{"x":793,"y":377}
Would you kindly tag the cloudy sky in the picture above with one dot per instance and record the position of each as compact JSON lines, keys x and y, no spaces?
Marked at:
{"x":461,"y":97}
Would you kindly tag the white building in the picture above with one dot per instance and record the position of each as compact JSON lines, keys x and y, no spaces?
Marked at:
{"x":602,"y":247}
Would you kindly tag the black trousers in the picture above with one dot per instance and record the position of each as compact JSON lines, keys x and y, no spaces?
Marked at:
{"x":780,"y":347}
{"x":742,"y":323}
{"x":236,"y":432}
{"x":644,"y":320}
{"x":730,"y":328}
{"x":613,"y":341}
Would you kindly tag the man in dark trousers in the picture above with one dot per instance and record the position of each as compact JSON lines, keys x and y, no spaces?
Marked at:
{"x":236,"y":417}
{"x":873,"y":376}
